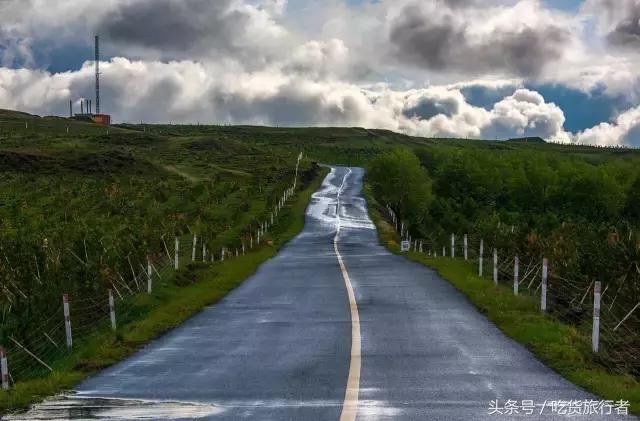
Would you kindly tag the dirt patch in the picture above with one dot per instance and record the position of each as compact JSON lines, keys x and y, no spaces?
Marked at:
{"x":109,"y":162}
{"x":20,"y":161}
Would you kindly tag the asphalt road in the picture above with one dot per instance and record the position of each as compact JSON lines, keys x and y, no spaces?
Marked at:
{"x":288,"y":341}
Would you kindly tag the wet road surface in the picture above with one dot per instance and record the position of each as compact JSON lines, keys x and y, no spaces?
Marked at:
{"x":281,"y":346}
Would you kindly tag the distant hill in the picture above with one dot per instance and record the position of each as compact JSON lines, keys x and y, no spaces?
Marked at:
{"x":528,"y":140}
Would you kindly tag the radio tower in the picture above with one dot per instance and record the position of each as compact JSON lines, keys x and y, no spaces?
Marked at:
{"x":97,"y":74}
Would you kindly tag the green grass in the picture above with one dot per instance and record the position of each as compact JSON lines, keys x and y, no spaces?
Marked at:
{"x":559,"y":346}
{"x":161,"y":311}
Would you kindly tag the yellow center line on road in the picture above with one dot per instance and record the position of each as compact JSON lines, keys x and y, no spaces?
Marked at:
{"x":350,"y":405}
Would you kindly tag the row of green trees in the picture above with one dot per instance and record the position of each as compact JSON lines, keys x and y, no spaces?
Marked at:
{"x":580,"y":212}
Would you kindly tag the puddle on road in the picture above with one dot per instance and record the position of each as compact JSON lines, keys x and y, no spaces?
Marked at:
{"x":80,"y":408}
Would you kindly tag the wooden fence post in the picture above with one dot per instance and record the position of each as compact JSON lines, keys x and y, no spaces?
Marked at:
{"x":112,"y":311}
{"x":595,"y":334}
{"x":67,"y":320}
{"x":495,"y":266}
{"x":481,"y":258}
{"x":176,"y":258}
{"x":149,"y":276}
{"x":453,"y":245}
{"x":4,"y":369}
{"x":543,"y":293}
{"x":466,"y":251}
{"x":516,"y":275}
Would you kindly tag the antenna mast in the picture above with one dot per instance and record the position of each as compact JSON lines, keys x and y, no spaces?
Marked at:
{"x":97,"y":74}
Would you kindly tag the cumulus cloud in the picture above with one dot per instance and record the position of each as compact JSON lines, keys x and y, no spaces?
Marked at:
{"x":469,"y":37}
{"x":623,"y":131}
{"x":451,"y":68}
{"x":191,"y":91}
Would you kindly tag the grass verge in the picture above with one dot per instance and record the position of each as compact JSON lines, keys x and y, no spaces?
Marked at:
{"x":149,"y":316}
{"x":559,"y":346}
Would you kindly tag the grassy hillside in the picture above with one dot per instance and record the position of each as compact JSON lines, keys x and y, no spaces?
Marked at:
{"x":82,"y":208}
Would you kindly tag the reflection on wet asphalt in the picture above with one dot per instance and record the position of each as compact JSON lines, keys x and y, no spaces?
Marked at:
{"x":278,"y":347}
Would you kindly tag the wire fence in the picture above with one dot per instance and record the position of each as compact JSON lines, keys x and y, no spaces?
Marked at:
{"x":605,"y":308}
{"x":31,"y":351}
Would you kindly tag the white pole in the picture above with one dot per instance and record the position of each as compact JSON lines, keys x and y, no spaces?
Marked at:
{"x":420,"y":246}
{"x":543,"y":294}
{"x":67,"y":320}
{"x":149,"y":276}
{"x":516,"y":275}
{"x":495,"y":266}
{"x":595,"y":335}
{"x":112,"y":311}
{"x":243,"y":248}
{"x":193,"y":249}
{"x":402,"y":230}
{"x":444,"y":252}
{"x":466,"y":251}
{"x":481,"y":257}
{"x":204,"y":252}
{"x":222,"y":255}
{"x":176,"y":258}
{"x":4,"y":369}
{"x":453,"y":245}
{"x":250,"y":242}
{"x":236,"y":252}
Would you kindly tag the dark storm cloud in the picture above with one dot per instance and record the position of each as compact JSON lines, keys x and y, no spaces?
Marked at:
{"x":444,"y":43}
{"x":428,"y":108}
{"x":177,"y":28}
{"x":622,"y":20}
{"x":627,"y":31}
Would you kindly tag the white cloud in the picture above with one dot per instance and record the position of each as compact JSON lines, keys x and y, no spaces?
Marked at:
{"x":191,"y":91}
{"x":623,"y":131}
{"x":304,"y":62}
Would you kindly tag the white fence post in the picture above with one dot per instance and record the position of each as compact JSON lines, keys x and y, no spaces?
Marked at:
{"x":595,"y":335}
{"x":193,"y":249}
{"x":149,"y":276}
{"x":243,"y":248}
{"x":67,"y":320}
{"x":466,"y":251}
{"x":516,"y":275}
{"x":495,"y":266}
{"x":420,"y":246}
{"x":481,"y":257}
{"x":543,"y":293}
{"x":444,"y":252}
{"x":176,"y":258}
{"x":453,"y":245}
{"x":4,"y":369}
{"x":204,"y":252}
{"x":112,"y":311}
